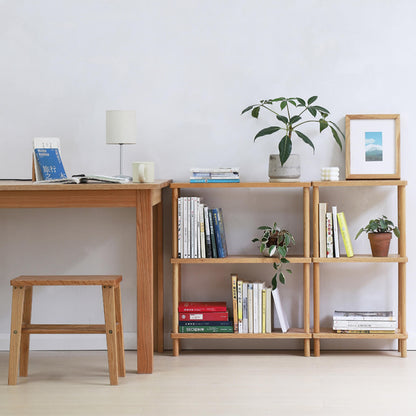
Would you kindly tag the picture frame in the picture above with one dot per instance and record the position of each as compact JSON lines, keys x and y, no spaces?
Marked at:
{"x":372,"y":146}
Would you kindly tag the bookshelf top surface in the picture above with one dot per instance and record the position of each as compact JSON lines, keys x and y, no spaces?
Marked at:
{"x":360,"y":182}
{"x":241,"y":185}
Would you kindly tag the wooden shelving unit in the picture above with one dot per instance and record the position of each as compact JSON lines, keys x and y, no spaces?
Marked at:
{"x":399,"y":258}
{"x":304,"y":258}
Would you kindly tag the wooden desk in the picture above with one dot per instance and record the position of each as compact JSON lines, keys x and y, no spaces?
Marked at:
{"x":147,"y":199}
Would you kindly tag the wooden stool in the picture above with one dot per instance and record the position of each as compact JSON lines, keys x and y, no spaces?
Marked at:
{"x":21,"y":327}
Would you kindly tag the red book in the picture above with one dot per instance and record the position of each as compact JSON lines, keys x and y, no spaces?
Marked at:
{"x":202,"y":307}
{"x":203,"y":316}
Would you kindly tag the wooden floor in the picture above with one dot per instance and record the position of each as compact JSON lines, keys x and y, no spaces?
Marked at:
{"x":215,"y":384}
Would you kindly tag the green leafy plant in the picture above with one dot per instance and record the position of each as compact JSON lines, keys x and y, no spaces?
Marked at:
{"x":379,"y":225}
{"x":276,"y":241}
{"x":291,"y":116}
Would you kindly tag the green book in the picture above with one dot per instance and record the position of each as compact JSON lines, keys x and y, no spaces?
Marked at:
{"x":206,"y":329}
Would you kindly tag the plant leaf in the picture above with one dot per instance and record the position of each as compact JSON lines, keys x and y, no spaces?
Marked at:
{"x":305,"y":139}
{"x":295,"y":119}
{"x":255,"y":112}
{"x":278,"y":99}
{"x":301,"y":101}
{"x":283,"y":104}
{"x":267,"y":130}
{"x":336,"y":137}
{"x":247,"y":109}
{"x":254,"y":240}
{"x":274,"y":282}
{"x":312,"y":111}
{"x":312,"y":99}
{"x":264,"y":227}
{"x":323,"y":124}
{"x":282,"y":278}
{"x":285,"y":148}
{"x":283,"y":119}
{"x":284,"y":260}
{"x":322,"y":110}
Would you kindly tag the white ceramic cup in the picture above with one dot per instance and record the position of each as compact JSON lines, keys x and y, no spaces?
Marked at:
{"x":143,"y":172}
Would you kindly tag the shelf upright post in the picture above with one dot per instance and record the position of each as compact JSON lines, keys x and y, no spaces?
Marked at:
{"x":306,"y":270}
{"x":316,"y":301}
{"x":401,"y":208}
{"x":176,"y":271}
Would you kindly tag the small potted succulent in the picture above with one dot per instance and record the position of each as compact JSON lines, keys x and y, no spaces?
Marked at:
{"x":379,"y":233}
{"x":292,"y":116}
{"x":275,"y":242}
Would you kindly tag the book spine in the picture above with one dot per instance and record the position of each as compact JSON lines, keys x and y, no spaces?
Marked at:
{"x":222,"y":231}
{"x":180,"y":230}
{"x":205,"y":323}
{"x":263,"y":310}
{"x":345,"y":234}
{"x":211,"y":229}
{"x":329,"y":236}
{"x":335,"y":228}
{"x":279,"y":310}
{"x":185,"y":227}
{"x":235,"y":306}
{"x":260,"y":306}
{"x":217,"y":233}
{"x":364,"y":325}
{"x":322,"y":229}
{"x":245,"y":309}
{"x":203,"y":316}
{"x":202,"y":307}
{"x":206,"y":329}
{"x":240,"y":305}
{"x":250,"y":307}
{"x":208,"y":247}
{"x":268,"y":310}
{"x":202,"y":231}
{"x":255,"y":309}
{"x":364,"y":331}
{"x":198,"y":230}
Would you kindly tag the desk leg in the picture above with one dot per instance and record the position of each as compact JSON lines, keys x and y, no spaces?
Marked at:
{"x":144,"y":237}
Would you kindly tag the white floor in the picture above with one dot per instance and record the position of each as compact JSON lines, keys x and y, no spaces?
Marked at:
{"x":215,"y":383}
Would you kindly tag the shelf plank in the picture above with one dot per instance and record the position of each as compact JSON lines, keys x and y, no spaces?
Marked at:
{"x":241,"y":260}
{"x":361,"y":258}
{"x":241,"y":185}
{"x":292,"y":333}
{"x":360,"y":182}
{"x":327,"y":333}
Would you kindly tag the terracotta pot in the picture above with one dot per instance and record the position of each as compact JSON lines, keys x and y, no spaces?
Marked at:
{"x":380,"y":244}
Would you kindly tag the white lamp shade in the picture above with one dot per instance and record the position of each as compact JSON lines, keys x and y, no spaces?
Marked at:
{"x":121,"y":127}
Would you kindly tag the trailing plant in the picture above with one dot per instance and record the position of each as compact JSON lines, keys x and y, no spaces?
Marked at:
{"x":275,"y":240}
{"x":291,"y":121}
{"x":379,"y":225}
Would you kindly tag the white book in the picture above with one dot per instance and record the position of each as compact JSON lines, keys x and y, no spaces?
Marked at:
{"x":198,"y":230}
{"x":208,"y":245}
{"x":255,"y":308}
{"x":280,"y":315}
{"x":365,"y":325}
{"x":364,"y":315}
{"x":322,"y":229}
{"x":335,"y":228}
{"x":260,"y":305}
{"x":250,"y":307}
{"x":268,"y":310}
{"x":245,"y":308}
{"x":202,"y":230}
{"x":329,"y":236}
{"x":186,"y":251}
{"x":240,"y":305}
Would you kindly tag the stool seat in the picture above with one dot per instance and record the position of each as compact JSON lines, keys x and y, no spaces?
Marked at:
{"x":21,"y":326}
{"x":67,"y":280}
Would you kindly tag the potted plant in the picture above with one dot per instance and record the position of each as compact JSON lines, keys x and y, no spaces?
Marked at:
{"x":276,"y":242}
{"x":291,"y":116}
{"x":379,"y":232}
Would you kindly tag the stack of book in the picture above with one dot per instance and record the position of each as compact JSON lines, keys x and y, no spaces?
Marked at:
{"x":367,"y":322}
{"x":215,"y":175}
{"x":201,"y":231}
{"x":331,"y":225}
{"x":204,"y":317}
{"x":252,"y":307}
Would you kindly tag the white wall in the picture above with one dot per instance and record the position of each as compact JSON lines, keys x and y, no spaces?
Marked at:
{"x":188,"y":68}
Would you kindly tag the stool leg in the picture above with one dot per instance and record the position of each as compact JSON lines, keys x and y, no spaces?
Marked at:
{"x":120,"y":339}
{"x":110,"y":331}
{"x":15,"y":332}
{"x":25,"y":340}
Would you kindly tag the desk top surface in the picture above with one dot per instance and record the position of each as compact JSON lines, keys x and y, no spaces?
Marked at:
{"x":33,"y":186}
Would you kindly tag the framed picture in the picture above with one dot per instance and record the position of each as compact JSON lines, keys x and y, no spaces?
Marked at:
{"x":372,"y":146}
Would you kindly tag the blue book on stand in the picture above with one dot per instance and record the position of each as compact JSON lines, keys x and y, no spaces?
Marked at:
{"x":50,"y":164}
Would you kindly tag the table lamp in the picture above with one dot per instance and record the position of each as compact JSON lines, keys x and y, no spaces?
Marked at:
{"x":121,"y":129}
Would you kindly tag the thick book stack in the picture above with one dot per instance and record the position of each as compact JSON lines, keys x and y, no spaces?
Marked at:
{"x":215,"y":175}
{"x":331,"y":225}
{"x":204,"y":317}
{"x":252,"y":307}
{"x":201,"y":231}
{"x":364,"y":322}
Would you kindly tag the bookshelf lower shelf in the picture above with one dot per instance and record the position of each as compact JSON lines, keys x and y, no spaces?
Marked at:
{"x":292,"y":333}
{"x":361,"y":258}
{"x":328,"y":333}
{"x":241,"y":260}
